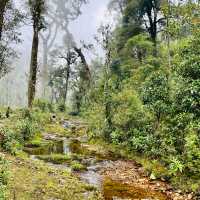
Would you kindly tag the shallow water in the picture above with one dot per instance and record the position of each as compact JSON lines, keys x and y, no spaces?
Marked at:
{"x":110,"y":189}
{"x":55,"y":147}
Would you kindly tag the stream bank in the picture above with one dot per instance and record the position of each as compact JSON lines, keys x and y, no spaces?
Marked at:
{"x":115,"y":177}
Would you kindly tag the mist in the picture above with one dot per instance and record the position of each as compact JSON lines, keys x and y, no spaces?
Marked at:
{"x":13,"y":86}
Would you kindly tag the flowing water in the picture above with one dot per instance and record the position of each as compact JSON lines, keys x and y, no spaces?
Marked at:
{"x":111,"y":190}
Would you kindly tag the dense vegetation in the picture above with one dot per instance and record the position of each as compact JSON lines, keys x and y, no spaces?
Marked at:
{"x":143,"y":97}
{"x":147,"y":99}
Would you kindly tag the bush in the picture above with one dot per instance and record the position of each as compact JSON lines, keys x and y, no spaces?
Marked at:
{"x":192,"y":153}
{"x":43,"y":105}
{"x":76,"y":166}
{"x":26,"y":113}
{"x":61,"y":107}
{"x":27,"y":129}
{"x":10,"y":141}
{"x":131,"y":118}
{"x":142,"y":144}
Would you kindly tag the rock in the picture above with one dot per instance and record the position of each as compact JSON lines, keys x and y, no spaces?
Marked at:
{"x":152,"y":177}
{"x":163,"y":179}
{"x":190,"y":196}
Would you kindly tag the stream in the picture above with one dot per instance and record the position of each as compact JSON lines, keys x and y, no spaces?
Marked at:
{"x":94,"y":165}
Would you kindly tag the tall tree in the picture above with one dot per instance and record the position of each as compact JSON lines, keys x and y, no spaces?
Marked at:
{"x":37,"y":8}
{"x":117,"y":5}
{"x":140,"y":16}
{"x":2,"y":11}
{"x":58,"y":17}
{"x":10,"y":18}
{"x":151,"y":10}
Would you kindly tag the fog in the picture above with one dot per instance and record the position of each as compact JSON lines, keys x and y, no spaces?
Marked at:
{"x":13,"y":86}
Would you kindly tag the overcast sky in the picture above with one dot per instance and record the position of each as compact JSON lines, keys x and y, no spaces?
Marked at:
{"x":84,"y":28}
{"x":93,"y":14}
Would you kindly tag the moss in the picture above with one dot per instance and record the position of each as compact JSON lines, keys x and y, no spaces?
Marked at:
{"x":34,"y":180}
{"x":55,"y":158}
{"x":36,"y":142}
{"x":113,"y":188}
{"x":56,"y":129}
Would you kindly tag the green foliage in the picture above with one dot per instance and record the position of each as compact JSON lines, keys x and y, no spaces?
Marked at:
{"x":188,"y":69}
{"x":56,"y":158}
{"x":10,"y":141}
{"x":43,"y":105}
{"x":176,"y":166}
{"x":76,"y":166}
{"x":192,"y":153}
{"x":27,"y":129}
{"x":25,"y":113}
{"x":61,"y":107}
{"x":152,"y":87}
{"x":140,"y":46}
{"x":155,"y":93}
{"x":4,"y":178}
{"x":134,"y":120}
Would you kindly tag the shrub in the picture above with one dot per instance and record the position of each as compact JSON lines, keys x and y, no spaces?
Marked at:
{"x":142,"y":143}
{"x":131,"y":118}
{"x":10,"y":141}
{"x":43,"y":105}
{"x":61,"y":107}
{"x":192,"y":153}
{"x":176,"y":166}
{"x":76,"y":166}
{"x":27,"y":129}
{"x":25,"y":113}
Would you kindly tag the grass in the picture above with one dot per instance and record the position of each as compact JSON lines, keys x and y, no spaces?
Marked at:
{"x":56,"y":129}
{"x":34,"y":180}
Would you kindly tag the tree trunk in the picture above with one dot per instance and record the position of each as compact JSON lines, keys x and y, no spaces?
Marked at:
{"x":33,"y":69}
{"x":3,"y":4}
{"x":45,"y":69}
{"x":67,"y":83}
{"x":84,"y":63}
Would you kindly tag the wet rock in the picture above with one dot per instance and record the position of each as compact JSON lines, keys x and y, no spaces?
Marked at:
{"x":67,"y":124}
{"x":153,"y":177}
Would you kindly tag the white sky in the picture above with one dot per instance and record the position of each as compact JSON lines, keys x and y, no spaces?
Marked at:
{"x":84,"y":28}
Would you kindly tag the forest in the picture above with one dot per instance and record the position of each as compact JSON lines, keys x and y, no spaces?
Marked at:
{"x":99,"y":100}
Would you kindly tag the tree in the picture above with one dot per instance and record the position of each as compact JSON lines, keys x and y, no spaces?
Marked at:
{"x":140,"y":16}
{"x":188,"y":69}
{"x":60,"y":14}
{"x":2,"y":12}
{"x":155,"y":95}
{"x":37,"y":9}
{"x":70,"y":59}
{"x":117,"y":5}
{"x":151,"y":9}
{"x":10,"y":19}
{"x":105,"y":41}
